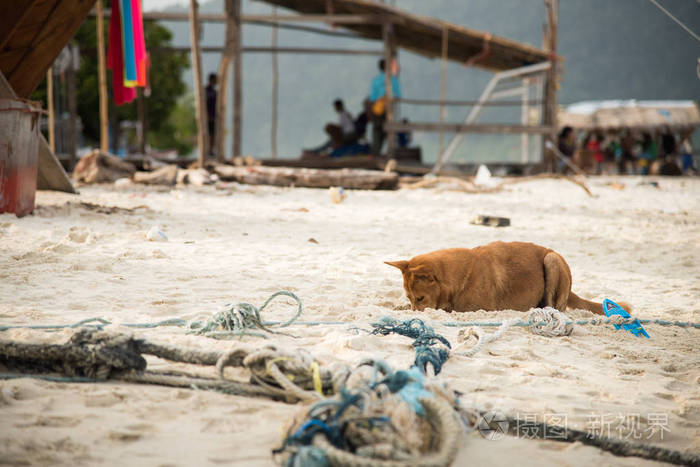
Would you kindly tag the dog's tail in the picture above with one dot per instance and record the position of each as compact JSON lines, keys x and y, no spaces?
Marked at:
{"x":579,"y":303}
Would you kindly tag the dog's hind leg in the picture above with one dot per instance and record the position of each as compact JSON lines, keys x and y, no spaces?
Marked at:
{"x":557,"y":281}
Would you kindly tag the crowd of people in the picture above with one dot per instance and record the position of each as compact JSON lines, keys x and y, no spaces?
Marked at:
{"x":628,"y":152}
{"x":349,"y":135}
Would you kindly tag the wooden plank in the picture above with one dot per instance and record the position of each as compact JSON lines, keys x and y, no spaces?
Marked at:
{"x":51,"y":175}
{"x":275,"y":92}
{"x":237,"y":82}
{"x":472,"y":128}
{"x":223,"y":75}
{"x":311,"y":178}
{"x":270,"y":19}
{"x":12,"y":14}
{"x":61,"y":21}
{"x":199,"y":103}
{"x":281,"y":50}
{"x":102,"y":78}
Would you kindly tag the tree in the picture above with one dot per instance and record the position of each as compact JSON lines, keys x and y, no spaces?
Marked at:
{"x":165,"y":79}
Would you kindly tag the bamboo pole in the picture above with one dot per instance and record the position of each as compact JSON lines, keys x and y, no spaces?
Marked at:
{"x":72,"y":145}
{"x":237,"y":81}
{"x":49,"y":104}
{"x":223,"y":74}
{"x":200,"y":109}
{"x":550,"y":115}
{"x":102,"y":76}
{"x":386,"y":35}
{"x":275,"y":91}
{"x":443,"y":86}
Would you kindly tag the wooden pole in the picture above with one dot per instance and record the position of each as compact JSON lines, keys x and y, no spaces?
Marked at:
{"x":550,"y":97}
{"x":72,"y":145}
{"x":102,"y":76}
{"x":237,"y":81}
{"x":443,"y":86}
{"x":387,"y":33}
{"x":223,"y":74}
{"x":275,"y":92}
{"x":49,"y":104}
{"x":141,"y":111}
{"x":200,"y":109}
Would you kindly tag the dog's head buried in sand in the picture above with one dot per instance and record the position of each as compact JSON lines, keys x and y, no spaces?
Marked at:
{"x":497,"y":276}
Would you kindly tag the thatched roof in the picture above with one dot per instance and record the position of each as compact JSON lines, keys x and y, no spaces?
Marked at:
{"x":32,"y":33}
{"x":609,"y":115}
{"x":423,"y":35}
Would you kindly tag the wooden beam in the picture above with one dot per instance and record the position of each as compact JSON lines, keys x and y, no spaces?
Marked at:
{"x":550,"y":95}
{"x":271,"y":19}
{"x":200,"y":108}
{"x":13,"y":14}
{"x":72,"y":69}
{"x":223,"y":75}
{"x":441,"y":103}
{"x":49,"y":105}
{"x":472,"y":128}
{"x":237,"y":81}
{"x":387,"y":33}
{"x":44,"y":38}
{"x":275,"y":92}
{"x":443,"y":85}
{"x":102,"y":77}
{"x":275,"y":50}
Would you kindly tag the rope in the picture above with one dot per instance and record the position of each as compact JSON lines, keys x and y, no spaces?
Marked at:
{"x":426,"y":341}
{"x":91,"y":355}
{"x":617,"y":447}
{"x":688,"y":30}
{"x":235,"y":320}
{"x":398,"y":421}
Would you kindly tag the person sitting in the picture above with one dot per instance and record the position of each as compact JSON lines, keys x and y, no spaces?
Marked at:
{"x":338,"y":134}
{"x":405,"y":137}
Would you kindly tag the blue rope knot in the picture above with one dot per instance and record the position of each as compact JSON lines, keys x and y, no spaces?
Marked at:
{"x":425,"y":340}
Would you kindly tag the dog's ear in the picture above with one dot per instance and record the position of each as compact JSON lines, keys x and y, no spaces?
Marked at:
{"x":402,"y":265}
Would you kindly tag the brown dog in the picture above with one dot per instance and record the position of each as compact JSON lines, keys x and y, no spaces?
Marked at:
{"x":497,"y":276}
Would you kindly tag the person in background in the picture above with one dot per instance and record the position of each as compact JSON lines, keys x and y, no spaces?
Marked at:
{"x":593,"y":145}
{"x":211,"y":111}
{"x":649,"y":152}
{"x":627,"y":161}
{"x":339,"y":134}
{"x":405,"y":137}
{"x":363,"y":119}
{"x":377,"y":97}
{"x":566,"y":144}
{"x":687,"y":160}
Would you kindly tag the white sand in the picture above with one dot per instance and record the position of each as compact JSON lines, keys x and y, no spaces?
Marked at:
{"x":67,"y":263}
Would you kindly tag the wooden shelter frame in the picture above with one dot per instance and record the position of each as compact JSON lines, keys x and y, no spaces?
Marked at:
{"x":361,"y":26}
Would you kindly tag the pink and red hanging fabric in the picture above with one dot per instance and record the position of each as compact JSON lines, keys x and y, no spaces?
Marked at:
{"x":126,"y":54}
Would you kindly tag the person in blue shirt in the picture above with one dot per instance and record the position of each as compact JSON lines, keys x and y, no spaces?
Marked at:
{"x":377,"y":97}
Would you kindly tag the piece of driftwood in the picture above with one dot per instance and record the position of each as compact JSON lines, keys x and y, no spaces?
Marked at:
{"x":577,"y":181}
{"x":469,"y":187}
{"x":310,"y":178}
{"x":97,"y":167}
{"x":461,"y":185}
{"x":164,"y":176}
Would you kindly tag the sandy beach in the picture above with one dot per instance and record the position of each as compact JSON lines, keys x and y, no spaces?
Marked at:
{"x":70,"y":261}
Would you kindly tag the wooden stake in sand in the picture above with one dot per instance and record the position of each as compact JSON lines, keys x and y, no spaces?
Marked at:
{"x":200,"y":109}
{"x":102,"y":74}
